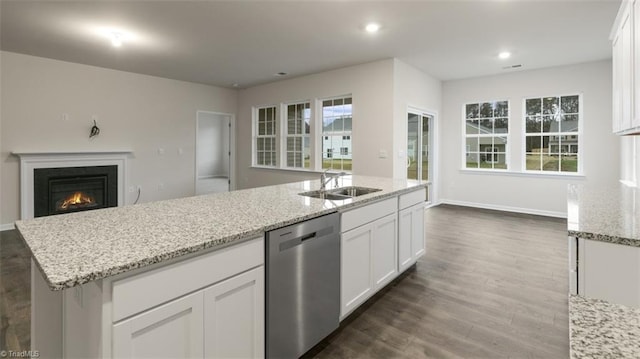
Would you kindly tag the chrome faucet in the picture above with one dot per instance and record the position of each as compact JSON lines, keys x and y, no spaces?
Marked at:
{"x":324,"y":179}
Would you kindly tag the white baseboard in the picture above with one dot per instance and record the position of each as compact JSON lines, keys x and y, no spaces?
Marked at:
{"x":7,"y":227}
{"x":505,"y":208}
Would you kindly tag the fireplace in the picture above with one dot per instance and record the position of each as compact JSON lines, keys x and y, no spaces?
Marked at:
{"x":103,"y":186}
{"x":72,"y":189}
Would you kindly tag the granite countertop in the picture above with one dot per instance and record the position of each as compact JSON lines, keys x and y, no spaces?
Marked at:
{"x":605,"y":213}
{"x":599,"y":329}
{"x":77,"y":248}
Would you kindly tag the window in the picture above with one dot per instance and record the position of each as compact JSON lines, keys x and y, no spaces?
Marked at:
{"x":486,"y":132}
{"x":552,"y":133}
{"x":265,"y":138}
{"x":298,"y":126}
{"x":336,"y":127}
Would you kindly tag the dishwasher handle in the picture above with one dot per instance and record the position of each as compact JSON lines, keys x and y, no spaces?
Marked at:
{"x":283,"y":246}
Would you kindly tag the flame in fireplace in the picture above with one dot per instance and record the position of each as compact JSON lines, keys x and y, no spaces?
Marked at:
{"x":75,"y":200}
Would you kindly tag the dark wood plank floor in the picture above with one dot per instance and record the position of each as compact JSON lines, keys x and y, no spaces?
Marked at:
{"x":15,"y":293}
{"x":492,"y":285}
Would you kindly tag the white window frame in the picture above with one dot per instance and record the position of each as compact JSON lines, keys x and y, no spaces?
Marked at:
{"x":316,"y":135}
{"x":580,"y":135}
{"x":466,"y":148}
{"x":285,"y":136}
{"x":256,"y":135}
{"x":318,"y":125}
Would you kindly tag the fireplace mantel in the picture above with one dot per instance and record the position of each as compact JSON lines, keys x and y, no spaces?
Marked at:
{"x":32,"y":160}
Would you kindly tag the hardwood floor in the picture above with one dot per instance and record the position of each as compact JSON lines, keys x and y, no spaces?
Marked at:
{"x":492,"y":285}
{"x":15,"y":293}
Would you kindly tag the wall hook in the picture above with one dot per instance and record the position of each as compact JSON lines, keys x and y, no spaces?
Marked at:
{"x":94,"y":130}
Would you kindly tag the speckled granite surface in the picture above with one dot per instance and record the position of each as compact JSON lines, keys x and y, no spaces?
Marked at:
{"x":599,"y":329}
{"x":608,"y":214}
{"x":77,"y":248}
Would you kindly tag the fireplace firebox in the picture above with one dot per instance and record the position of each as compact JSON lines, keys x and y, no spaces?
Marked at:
{"x":73,"y":189}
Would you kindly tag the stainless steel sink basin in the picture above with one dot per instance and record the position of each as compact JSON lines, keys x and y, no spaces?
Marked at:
{"x":341,"y":193}
{"x":354,"y":191}
{"x":324,"y":195}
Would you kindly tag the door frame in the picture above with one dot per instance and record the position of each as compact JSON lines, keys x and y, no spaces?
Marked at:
{"x":232,"y":147}
{"x":432,"y":183}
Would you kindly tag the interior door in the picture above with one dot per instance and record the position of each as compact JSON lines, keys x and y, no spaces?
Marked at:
{"x":213,"y":152}
{"x":420,"y":147}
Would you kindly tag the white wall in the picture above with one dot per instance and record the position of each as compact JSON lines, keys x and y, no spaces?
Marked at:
{"x":412,"y":88}
{"x":135,"y":112}
{"x":371,"y":87}
{"x":528,"y":193}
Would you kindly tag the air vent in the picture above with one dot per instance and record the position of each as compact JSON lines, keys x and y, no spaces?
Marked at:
{"x":512,"y":67}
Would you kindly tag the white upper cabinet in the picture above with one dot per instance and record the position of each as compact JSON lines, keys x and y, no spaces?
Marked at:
{"x":626,"y":69}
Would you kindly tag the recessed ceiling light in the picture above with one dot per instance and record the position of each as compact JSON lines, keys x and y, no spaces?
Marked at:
{"x":504,"y":55}
{"x":372,"y":27}
{"x":235,"y":84}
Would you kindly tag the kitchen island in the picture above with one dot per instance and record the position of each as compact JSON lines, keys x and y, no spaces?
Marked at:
{"x":93,"y":272}
{"x":604,"y":269}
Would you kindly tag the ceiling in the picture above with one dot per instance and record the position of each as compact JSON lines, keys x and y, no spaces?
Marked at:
{"x":247,"y":42}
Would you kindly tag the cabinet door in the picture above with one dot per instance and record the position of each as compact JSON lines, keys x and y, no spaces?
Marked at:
{"x":234,"y":317}
{"x":411,"y":241}
{"x":173,"y":330}
{"x":384,"y":251}
{"x":418,"y":246}
{"x":610,"y":272}
{"x":636,"y":63}
{"x":355,"y":266}
{"x":622,"y":90}
{"x":405,"y":232}
{"x":626,"y":75}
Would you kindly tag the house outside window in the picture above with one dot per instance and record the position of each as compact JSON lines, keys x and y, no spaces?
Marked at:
{"x":486,"y":135}
{"x":298,"y":125}
{"x":265,"y":136}
{"x":337,"y":115}
{"x":552,"y":133}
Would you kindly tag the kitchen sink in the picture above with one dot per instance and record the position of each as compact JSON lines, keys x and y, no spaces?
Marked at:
{"x":354,"y":191}
{"x":324,"y":195}
{"x":341,"y":193}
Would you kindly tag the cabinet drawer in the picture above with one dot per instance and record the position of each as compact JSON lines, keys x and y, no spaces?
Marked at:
{"x":367,"y":213}
{"x":409,"y":199}
{"x":143,"y":291}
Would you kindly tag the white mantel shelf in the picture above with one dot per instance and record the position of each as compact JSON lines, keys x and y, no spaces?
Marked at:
{"x":67,"y":153}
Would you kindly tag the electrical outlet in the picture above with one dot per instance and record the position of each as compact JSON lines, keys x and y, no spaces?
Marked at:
{"x":160,"y":151}
{"x":65,"y":117}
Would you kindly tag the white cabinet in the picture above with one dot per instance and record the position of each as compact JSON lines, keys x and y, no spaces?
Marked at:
{"x":206,"y":305}
{"x":626,"y":68}
{"x":609,"y":271}
{"x":384,"y":250}
{"x":223,"y":321}
{"x":411,"y":241}
{"x":234,"y":317}
{"x":356,"y":283}
{"x":368,"y":258}
{"x":173,"y":330}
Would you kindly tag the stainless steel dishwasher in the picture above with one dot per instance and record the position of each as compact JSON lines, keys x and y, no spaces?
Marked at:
{"x":303,"y":285}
